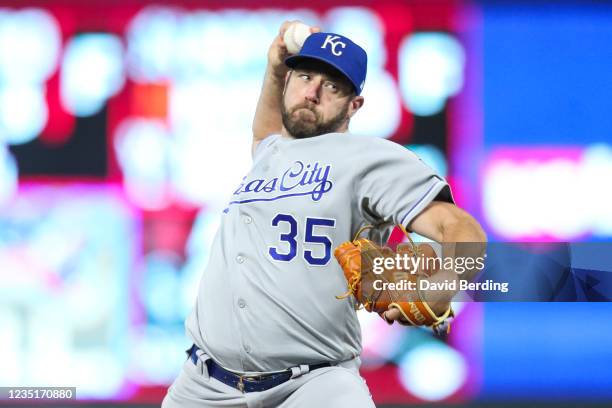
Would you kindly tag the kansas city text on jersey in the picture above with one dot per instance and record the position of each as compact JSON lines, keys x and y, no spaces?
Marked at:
{"x":298,"y":180}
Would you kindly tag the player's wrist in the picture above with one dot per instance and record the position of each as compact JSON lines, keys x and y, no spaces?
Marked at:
{"x":439,"y":307}
{"x":277,"y":72}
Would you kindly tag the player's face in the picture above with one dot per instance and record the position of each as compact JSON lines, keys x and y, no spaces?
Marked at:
{"x":317,"y":100}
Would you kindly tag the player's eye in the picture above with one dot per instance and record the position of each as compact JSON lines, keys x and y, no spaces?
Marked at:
{"x":305,"y":77}
{"x":331,"y":86}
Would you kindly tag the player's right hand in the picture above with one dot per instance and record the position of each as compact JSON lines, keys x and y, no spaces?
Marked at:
{"x":278,"y":50}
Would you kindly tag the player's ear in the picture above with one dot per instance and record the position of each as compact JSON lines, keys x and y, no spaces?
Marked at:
{"x":287,"y":76}
{"x":355,"y":104}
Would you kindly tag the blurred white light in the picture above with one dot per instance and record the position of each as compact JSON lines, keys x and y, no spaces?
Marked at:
{"x":142,"y":148}
{"x":151,"y":38}
{"x":502,"y":207}
{"x":211,"y":123}
{"x":84,"y":303}
{"x":96,"y":373}
{"x":202,"y":172}
{"x":230,"y":36}
{"x":11,"y":345}
{"x":30,"y":42}
{"x":92,"y":71}
{"x":203,"y":231}
{"x":53,"y":254}
{"x":430,"y":70}
{"x":555,"y":204}
{"x":381,"y":112}
{"x":364,"y":28}
{"x":597,"y":167}
{"x":197,"y":249}
{"x":433,"y":371}
{"x":8,"y":175}
{"x":161,"y":347}
{"x":432,"y":156}
{"x":23,"y":112}
{"x":52,"y":349}
{"x":561,"y":197}
{"x":191,"y":59}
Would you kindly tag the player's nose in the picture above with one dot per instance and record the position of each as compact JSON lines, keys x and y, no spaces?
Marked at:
{"x":312,"y":94}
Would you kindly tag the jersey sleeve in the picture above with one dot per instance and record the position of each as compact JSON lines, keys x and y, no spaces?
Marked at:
{"x":262,"y":145}
{"x":396,"y":185}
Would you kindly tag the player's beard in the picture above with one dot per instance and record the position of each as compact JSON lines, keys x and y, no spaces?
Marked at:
{"x":300,"y":127}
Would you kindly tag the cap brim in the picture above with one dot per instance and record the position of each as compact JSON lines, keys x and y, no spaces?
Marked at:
{"x":293,"y":60}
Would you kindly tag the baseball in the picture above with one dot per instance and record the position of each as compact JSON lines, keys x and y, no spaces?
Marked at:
{"x":295,"y":36}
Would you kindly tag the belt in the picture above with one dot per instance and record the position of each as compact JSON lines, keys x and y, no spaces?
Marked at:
{"x":252,"y":383}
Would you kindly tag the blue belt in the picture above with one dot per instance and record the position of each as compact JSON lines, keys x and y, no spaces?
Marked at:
{"x":247,"y":383}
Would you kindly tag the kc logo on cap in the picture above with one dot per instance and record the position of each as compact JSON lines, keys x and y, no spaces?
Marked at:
{"x":339,"y":52}
{"x":334,"y":41}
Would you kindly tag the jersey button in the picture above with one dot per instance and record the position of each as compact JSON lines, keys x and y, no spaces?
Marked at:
{"x":241,"y":303}
{"x":275,"y":150}
{"x":248,"y":220}
{"x":247,"y":348}
{"x":240,"y":259}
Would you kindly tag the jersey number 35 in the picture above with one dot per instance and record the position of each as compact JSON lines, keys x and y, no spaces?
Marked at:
{"x":309,"y":238}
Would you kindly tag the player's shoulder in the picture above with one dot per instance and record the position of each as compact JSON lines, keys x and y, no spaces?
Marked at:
{"x":374,"y":146}
{"x":266,"y":142}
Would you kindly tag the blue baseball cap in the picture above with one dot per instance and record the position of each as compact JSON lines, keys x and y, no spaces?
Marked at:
{"x":337,"y":51}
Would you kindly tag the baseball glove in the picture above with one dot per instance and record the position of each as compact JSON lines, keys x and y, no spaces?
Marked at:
{"x":366,"y":283}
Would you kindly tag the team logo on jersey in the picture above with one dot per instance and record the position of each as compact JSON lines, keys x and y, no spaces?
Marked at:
{"x":301,"y":179}
{"x":333,"y":41}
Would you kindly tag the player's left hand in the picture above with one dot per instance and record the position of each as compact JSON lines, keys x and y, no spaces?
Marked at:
{"x":393,"y":315}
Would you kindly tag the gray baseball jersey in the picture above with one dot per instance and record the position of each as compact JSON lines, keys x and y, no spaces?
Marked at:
{"x":267,"y":299}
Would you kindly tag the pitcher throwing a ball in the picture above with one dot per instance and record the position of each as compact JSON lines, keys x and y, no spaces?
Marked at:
{"x":268,"y":329}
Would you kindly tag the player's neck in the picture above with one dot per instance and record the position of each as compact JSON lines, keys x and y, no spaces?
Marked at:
{"x":285,"y":134}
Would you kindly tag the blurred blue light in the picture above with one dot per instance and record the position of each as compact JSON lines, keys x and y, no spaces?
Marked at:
{"x":547,"y":350}
{"x":92,"y":71}
{"x":430,"y":71}
{"x":432,"y":156}
{"x":161,"y":287}
{"x":143,"y":151}
{"x":30,"y":42}
{"x":151,"y":38}
{"x":66,"y":253}
{"x":547,"y":73}
{"x":381,"y":113}
{"x":364,"y":27}
{"x":23,"y":112}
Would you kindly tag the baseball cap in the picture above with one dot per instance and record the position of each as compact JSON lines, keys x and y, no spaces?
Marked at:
{"x":337,"y":51}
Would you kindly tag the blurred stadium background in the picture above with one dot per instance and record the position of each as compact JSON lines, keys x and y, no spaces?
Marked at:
{"x":125,"y":126}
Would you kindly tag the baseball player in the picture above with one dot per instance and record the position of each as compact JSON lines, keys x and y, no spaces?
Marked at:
{"x":267,"y":328}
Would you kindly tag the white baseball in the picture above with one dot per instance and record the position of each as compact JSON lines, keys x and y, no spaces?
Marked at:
{"x":295,"y":36}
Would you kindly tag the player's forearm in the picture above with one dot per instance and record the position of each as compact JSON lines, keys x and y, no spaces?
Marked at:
{"x":462,"y":239}
{"x":268,"y":112}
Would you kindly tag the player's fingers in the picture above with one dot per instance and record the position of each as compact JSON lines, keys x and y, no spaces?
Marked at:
{"x":392,"y":314}
{"x":285,"y":26}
